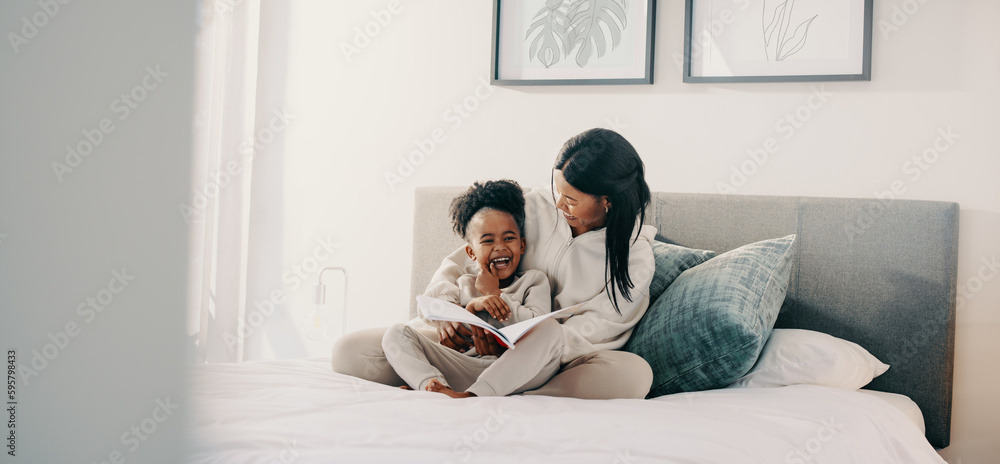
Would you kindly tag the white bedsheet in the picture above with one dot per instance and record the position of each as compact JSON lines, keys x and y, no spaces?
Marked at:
{"x":904,"y":404}
{"x":300,"y":411}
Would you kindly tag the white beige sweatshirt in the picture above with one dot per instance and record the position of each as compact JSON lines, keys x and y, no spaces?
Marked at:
{"x":575,"y":267}
{"x":527,"y":297}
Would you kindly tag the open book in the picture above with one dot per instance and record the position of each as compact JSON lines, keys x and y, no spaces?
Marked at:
{"x":434,"y":309}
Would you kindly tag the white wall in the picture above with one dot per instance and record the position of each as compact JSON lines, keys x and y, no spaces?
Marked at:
{"x":356,"y":116}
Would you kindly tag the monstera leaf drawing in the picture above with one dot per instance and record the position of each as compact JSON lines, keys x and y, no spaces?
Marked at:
{"x":776,"y":20}
{"x":586,"y":18}
{"x":585,"y":27}
{"x":550,"y":29}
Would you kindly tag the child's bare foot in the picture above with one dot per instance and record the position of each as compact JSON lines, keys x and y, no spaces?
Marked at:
{"x":436,"y":386}
{"x":406,"y":387}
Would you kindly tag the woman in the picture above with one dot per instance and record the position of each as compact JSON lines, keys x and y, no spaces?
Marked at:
{"x":588,"y":237}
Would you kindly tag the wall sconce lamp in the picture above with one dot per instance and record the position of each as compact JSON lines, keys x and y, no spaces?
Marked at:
{"x":318,"y":322}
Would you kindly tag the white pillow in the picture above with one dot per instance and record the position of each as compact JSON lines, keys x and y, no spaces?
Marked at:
{"x":796,"y":356}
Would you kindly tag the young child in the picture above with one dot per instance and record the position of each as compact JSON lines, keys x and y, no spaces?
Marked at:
{"x":490,"y":217}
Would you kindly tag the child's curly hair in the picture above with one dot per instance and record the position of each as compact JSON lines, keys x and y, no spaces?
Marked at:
{"x":501,"y":195}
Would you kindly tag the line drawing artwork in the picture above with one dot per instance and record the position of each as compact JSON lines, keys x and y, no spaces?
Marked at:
{"x":777,"y":44}
{"x":578,"y":28}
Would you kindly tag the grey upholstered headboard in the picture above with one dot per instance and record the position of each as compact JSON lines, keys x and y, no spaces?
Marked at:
{"x":881,"y":273}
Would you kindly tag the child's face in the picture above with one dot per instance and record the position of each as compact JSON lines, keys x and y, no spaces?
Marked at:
{"x":494,"y":238}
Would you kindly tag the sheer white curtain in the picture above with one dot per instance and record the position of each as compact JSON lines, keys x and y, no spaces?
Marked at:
{"x":220,"y":320}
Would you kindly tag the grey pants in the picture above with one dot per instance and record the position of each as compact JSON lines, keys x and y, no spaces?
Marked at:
{"x":418,"y":359}
{"x":604,"y":374}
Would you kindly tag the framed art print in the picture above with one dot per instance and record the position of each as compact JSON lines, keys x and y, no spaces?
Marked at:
{"x":777,"y":40}
{"x":572,"y":42}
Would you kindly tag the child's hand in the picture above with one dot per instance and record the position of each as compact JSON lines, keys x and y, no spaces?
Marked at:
{"x":492,"y":304}
{"x":487,"y":281}
{"x":485,"y":343}
{"x":454,"y":335}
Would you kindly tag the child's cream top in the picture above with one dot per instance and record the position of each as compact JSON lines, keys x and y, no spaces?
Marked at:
{"x":527,"y":297}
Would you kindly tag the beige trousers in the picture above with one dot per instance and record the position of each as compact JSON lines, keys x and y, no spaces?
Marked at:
{"x":604,"y":374}
{"x":418,"y":360}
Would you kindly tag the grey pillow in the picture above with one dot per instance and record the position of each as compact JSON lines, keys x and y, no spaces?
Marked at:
{"x":709,"y":326}
{"x":671,"y":261}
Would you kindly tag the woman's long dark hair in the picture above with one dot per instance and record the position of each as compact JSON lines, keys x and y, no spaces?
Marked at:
{"x":600,"y":162}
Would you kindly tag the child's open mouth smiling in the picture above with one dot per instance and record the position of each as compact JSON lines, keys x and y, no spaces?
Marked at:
{"x":501,"y":262}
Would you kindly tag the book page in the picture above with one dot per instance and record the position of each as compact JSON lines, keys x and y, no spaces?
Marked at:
{"x":514,"y":332}
{"x":440,"y":310}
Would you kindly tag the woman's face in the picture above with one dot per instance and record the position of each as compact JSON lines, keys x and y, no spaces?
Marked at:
{"x":582,"y":211}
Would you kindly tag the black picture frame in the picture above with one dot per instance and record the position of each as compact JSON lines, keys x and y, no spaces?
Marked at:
{"x":496,"y":65}
{"x":863,"y":75}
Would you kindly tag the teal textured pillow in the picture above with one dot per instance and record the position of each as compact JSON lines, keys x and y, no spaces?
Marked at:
{"x":671,"y":261}
{"x":709,"y":326}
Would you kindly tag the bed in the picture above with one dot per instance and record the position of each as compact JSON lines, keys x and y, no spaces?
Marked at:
{"x":878,"y":273}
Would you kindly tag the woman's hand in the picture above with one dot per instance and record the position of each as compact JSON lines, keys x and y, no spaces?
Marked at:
{"x":492,"y":304}
{"x":486,"y":344}
{"x":454,"y":335}
{"x":487,"y":281}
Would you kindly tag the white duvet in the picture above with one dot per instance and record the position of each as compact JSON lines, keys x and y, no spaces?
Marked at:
{"x":299,"y":411}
